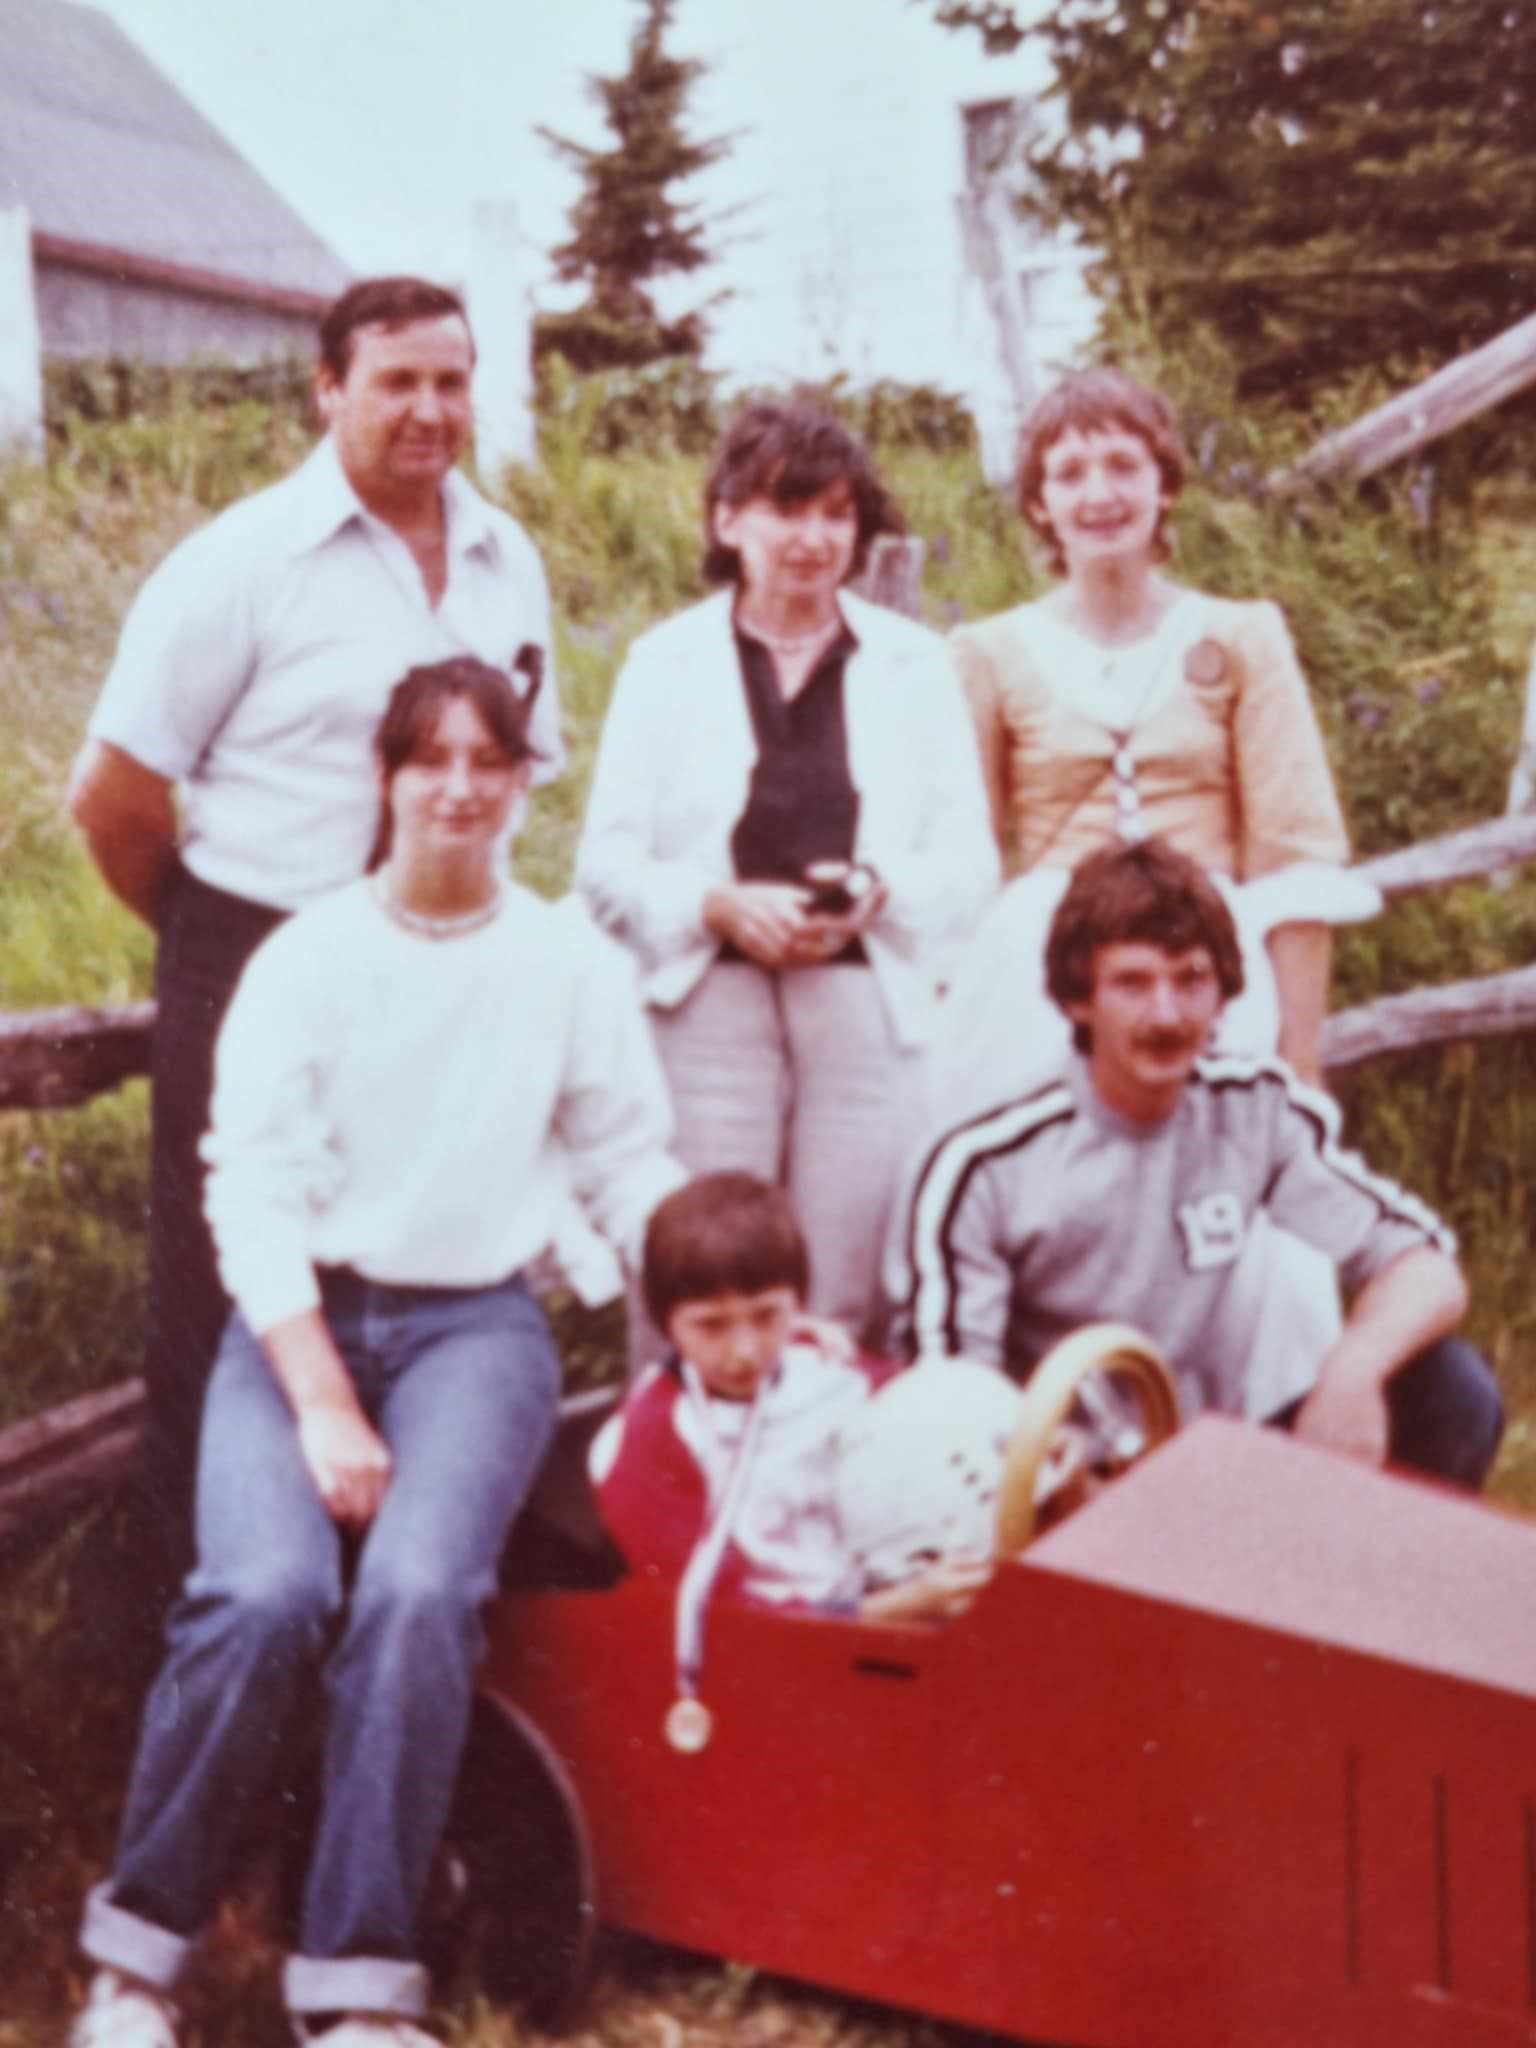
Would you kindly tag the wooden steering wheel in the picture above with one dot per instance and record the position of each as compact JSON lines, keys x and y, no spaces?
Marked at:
{"x":1119,"y":1383}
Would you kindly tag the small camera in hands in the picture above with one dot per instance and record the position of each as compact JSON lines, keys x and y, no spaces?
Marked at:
{"x":838,"y":887}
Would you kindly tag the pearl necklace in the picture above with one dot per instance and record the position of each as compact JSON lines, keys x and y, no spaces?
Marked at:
{"x":426,"y":926}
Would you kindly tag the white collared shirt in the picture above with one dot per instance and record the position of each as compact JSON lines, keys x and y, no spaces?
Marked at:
{"x":256,"y":661}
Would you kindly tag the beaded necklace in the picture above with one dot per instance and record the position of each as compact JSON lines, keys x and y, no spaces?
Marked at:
{"x":427,"y":926}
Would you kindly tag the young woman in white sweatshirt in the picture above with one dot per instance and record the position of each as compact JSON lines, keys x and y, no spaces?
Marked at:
{"x":416,"y":1075}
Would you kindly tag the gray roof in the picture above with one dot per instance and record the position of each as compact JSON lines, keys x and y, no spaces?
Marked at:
{"x":101,"y":148}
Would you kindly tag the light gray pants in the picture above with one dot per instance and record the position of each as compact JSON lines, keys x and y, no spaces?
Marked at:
{"x":797,"y":1077}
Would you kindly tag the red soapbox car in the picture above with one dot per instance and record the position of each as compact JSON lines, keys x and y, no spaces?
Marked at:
{"x":1240,"y":1755}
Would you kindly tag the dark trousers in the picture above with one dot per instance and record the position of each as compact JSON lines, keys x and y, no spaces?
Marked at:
{"x":205,"y":938}
{"x":1444,"y":1413}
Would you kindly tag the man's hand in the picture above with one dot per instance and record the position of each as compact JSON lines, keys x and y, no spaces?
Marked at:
{"x":1349,"y":1419}
{"x":347,"y":1459}
{"x":1407,"y":1305}
{"x":127,"y":816}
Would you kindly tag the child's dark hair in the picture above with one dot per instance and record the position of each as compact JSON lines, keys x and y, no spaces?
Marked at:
{"x":1147,"y":893}
{"x":724,"y":1233}
{"x":418,"y":701}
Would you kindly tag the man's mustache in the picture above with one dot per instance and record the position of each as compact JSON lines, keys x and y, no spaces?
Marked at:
{"x":1168,"y":1041}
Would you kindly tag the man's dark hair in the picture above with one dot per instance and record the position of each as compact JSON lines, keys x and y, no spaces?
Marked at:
{"x":723,"y":1233}
{"x":418,"y":701}
{"x":387,"y":302}
{"x":1147,"y":894}
{"x":791,"y":453}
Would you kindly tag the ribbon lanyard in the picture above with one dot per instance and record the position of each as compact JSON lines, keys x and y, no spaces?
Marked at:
{"x":688,"y":1723}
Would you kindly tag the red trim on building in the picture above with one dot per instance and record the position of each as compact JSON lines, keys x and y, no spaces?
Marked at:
{"x":101,"y":260}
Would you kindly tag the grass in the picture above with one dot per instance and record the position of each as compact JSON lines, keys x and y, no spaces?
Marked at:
{"x":1416,"y":644}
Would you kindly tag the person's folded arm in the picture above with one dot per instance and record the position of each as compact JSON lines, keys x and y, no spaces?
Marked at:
{"x":1419,"y":1297}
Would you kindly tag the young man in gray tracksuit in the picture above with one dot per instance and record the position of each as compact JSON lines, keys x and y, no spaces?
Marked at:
{"x":1151,"y":1185}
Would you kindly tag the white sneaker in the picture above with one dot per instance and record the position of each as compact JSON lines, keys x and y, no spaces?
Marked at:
{"x":124,"y":2012}
{"x":364,"y":2030}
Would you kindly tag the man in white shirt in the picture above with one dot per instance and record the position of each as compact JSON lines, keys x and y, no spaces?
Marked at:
{"x":227,"y":775}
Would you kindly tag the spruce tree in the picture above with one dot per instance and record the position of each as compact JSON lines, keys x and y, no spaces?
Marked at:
{"x":627,"y":225}
{"x":1326,"y":186}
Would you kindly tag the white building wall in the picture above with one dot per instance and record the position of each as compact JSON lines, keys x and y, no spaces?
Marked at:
{"x":21,"y":395}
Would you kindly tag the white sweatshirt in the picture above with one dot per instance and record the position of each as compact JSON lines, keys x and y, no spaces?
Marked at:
{"x":423,"y":1109}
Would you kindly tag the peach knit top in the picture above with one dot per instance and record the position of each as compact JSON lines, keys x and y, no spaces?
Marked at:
{"x":1227,"y":757}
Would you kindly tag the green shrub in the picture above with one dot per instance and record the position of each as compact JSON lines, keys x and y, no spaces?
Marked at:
{"x":665,"y":408}
{"x":889,"y":414}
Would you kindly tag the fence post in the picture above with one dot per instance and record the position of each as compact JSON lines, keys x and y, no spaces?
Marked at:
{"x":893,"y":574}
{"x":21,"y":388}
{"x":1522,"y":781}
{"x":499,"y":314}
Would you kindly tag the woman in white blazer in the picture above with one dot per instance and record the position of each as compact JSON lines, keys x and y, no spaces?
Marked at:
{"x":788,"y":828}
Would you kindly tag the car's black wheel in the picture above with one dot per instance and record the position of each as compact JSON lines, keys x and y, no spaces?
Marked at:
{"x":511,"y":1913}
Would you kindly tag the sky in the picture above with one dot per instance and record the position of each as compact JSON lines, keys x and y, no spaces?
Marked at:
{"x":382,"y":121}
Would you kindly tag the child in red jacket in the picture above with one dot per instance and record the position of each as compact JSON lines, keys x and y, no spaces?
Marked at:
{"x":733,"y":1443}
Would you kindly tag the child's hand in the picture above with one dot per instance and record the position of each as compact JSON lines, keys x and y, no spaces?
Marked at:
{"x":942,"y":1592}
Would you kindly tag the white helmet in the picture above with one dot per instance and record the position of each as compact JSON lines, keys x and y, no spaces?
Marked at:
{"x":919,"y":1467}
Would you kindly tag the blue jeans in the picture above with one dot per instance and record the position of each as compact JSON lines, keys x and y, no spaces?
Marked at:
{"x":463,"y":1386}
{"x":1444,"y":1414}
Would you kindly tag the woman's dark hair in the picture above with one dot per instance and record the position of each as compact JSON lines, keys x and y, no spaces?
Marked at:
{"x":790,"y":453}
{"x":387,"y":302}
{"x":1147,"y":894}
{"x":1094,"y":401}
{"x":723,"y":1233}
{"x":418,"y":701}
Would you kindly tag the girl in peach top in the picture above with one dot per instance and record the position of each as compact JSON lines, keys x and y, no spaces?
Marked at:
{"x":1124,"y":704}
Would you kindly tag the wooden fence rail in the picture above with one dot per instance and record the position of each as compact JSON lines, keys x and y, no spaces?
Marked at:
{"x":55,"y":1462}
{"x":1457,"y":392}
{"x":55,"y":1059}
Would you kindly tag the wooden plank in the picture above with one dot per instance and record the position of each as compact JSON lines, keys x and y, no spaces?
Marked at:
{"x":1492,"y":1007}
{"x":1522,"y":781}
{"x":56,"y":1059}
{"x":54,"y":1462}
{"x":893,"y":573}
{"x":1461,"y":390}
{"x":1454,"y":857}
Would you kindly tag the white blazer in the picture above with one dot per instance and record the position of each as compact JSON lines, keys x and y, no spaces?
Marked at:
{"x":671,"y":779}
